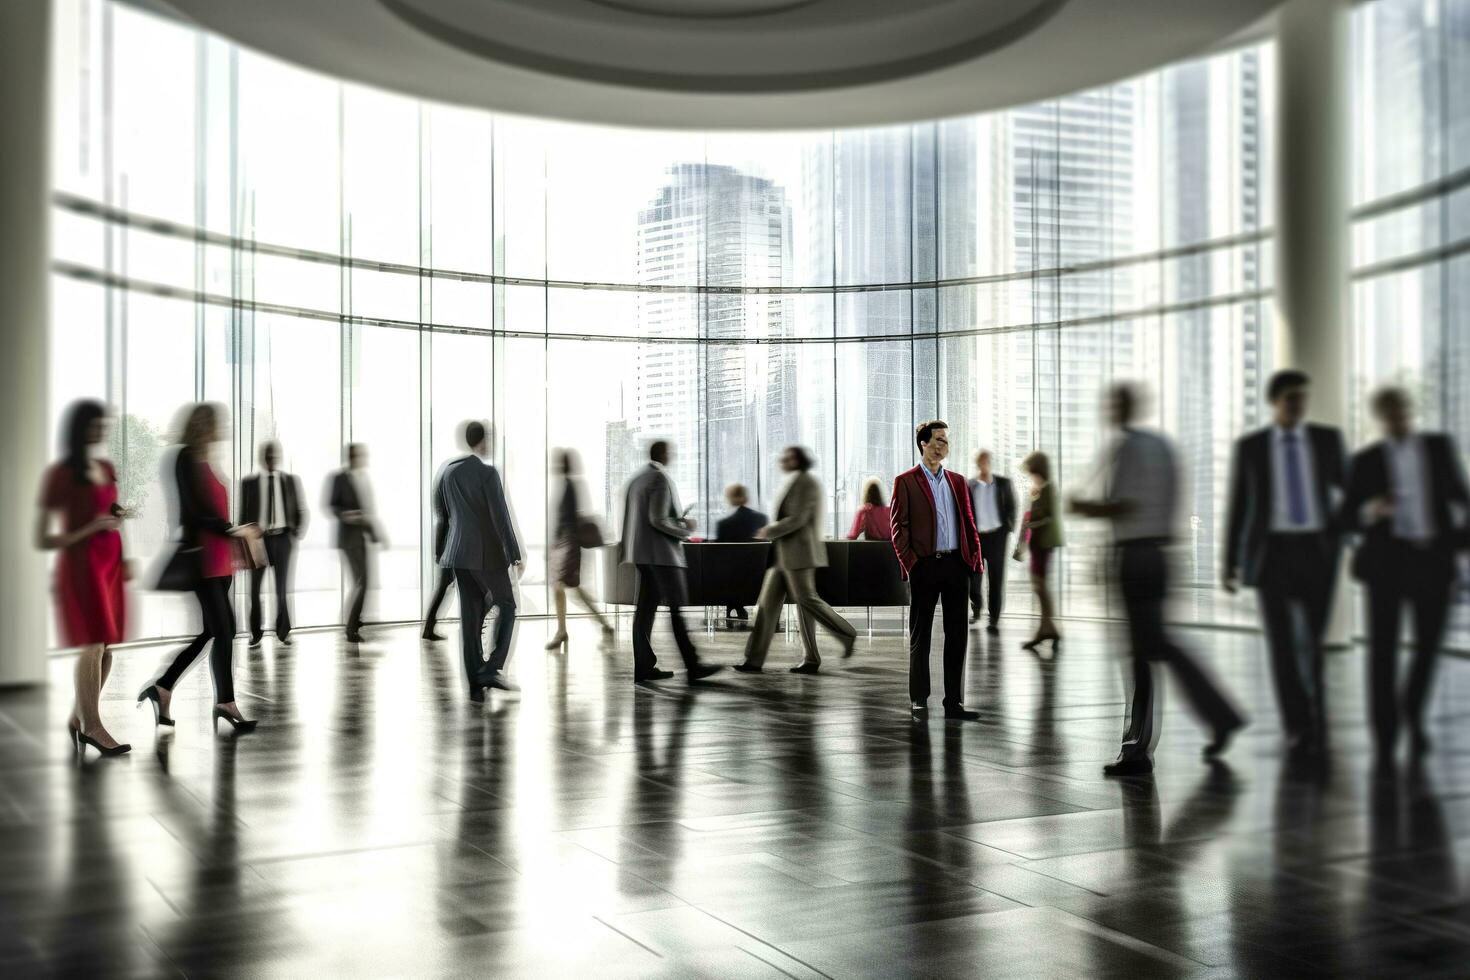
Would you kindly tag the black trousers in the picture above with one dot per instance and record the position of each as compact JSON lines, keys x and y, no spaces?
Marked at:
{"x":357,"y":566}
{"x":1143,"y":576}
{"x":219,"y":627}
{"x":278,"y":548}
{"x":993,"y":550}
{"x":431,"y":618}
{"x":659,"y":585}
{"x":932,"y":581}
{"x":1295,"y":596}
{"x":1408,"y":579}
{"x":479,"y":589}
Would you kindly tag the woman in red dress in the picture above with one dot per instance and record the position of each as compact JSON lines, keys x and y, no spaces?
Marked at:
{"x":203,"y":504}
{"x":79,"y":494}
{"x":873,"y":520}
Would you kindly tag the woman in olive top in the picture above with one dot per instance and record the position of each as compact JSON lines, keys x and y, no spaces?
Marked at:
{"x":1041,"y":533}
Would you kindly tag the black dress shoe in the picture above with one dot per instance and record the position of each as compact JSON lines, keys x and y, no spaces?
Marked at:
{"x":804,"y":669}
{"x":1129,"y":767}
{"x":652,"y":675}
{"x":255,"y":641}
{"x":974,"y":618}
{"x":431,"y":636}
{"x":1222,"y":739}
{"x":992,"y":629}
{"x":284,"y":641}
{"x":477,"y":693}
{"x":700,"y":671}
{"x":960,"y":714}
{"x":919,"y":708}
{"x":746,"y":668}
{"x":497,"y":682}
{"x":355,"y":638}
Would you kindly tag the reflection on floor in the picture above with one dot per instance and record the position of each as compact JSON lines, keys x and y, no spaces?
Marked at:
{"x":379,"y":824}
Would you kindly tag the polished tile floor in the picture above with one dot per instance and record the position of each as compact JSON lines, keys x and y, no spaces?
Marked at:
{"x":378,"y":824}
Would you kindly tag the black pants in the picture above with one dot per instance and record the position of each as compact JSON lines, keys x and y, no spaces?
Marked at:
{"x":1143,"y":575}
{"x":479,"y":589}
{"x":219,"y":626}
{"x":993,"y":550}
{"x":1425,"y":586}
{"x":932,"y":581}
{"x":278,"y":548}
{"x":1295,"y":596}
{"x":659,"y":585}
{"x":357,"y":566}
{"x":431,"y":618}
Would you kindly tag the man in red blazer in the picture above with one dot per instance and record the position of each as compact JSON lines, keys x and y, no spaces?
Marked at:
{"x":937,"y":544}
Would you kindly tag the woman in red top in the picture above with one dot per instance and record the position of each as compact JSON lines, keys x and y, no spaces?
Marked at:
{"x":873,"y":520}
{"x":203,"y":504}
{"x":81,"y":490}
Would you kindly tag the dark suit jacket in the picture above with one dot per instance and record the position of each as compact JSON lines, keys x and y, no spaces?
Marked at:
{"x":1449,"y":507}
{"x":914,"y":522}
{"x":1253,"y":487}
{"x":344,"y":498}
{"x":469,"y":500}
{"x":740,"y":525}
{"x":1005,"y":501}
{"x":250,"y":491}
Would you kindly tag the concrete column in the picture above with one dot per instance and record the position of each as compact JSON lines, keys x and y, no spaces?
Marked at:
{"x":25,"y":254}
{"x":1313,"y":234}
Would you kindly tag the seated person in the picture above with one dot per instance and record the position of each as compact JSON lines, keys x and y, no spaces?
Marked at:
{"x":872,"y":520}
{"x":738,"y":526}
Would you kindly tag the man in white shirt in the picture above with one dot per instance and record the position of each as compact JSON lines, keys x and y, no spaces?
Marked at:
{"x":1409,"y":499}
{"x":994,"y":501}
{"x":1283,"y":539}
{"x":272,"y":500}
{"x":1141,"y":500}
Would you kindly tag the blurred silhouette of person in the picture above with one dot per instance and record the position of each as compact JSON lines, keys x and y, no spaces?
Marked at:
{"x":203,"y":503}
{"x":938,"y":548}
{"x":271,"y":499}
{"x":1281,"y":537}
{"x":1041,"y":534}
{"x":1140,"y":499}
{"x":796,"y":539}
{"x":446,"y":575}
{"x":351,"y":502}
{"x":993,"y":500}
{"x":79,"y":493}
{"x":480,"y":545}
{"x":566,"y":551}
{"x":1408,"y":497}
{"x":738,"y":526}
{"x":873,"y":520}
{"x":654,"y":529}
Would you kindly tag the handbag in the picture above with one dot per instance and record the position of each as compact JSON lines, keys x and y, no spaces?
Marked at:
{"x":248,"y":554}
{"x":589,"y":533}
{"x":183,"y":571}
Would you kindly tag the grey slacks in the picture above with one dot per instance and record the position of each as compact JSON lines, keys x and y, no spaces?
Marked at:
{"x":801,"y":585}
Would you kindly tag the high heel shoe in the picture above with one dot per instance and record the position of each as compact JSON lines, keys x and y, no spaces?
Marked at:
{"x":559,"y":640}
{"x":238,"y":724}
{"x":82,"y":739}
{"x":150,"y":693}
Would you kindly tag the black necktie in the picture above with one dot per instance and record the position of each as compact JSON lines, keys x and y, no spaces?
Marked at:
{"x":270,"y":506}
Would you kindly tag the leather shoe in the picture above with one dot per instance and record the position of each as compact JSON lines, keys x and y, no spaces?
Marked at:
{"x":746,"y":668}
{"x":961,"y":714}
{"x":804,"y":669}
{"x":355,"y":638}
{"x":700,"y":671}
{"x":919,"y":708}
{"x":477,"y":693}
{"x":653,"y":675}
{"x":255,"y":641}
{"x":432,"y":636}
{"x":992,"y":629}
{"x":1129,"y":767}
{"x":499,"y":683}
{"x":1223,"y":737}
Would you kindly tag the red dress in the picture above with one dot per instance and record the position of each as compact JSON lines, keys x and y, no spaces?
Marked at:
{"x":90,"y":606}
{"x":215,"y":551}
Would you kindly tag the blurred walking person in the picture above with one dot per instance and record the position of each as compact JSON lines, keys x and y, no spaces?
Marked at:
{"x":572,"y":533}
{"x":351,"y":502}
{"x":80,"y":517}
{"x":1041,"y":534}
{"x":203,"y":504}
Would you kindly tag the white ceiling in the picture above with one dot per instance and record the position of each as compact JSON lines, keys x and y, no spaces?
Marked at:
{"x":730,"y":64}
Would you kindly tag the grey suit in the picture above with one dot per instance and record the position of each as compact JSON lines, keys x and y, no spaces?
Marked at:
{"x":796,"y":537}
{"x":653,"y":541}
{"x":479,"y":544}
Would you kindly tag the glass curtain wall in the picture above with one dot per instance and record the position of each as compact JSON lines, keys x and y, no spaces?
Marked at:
{"x":340,"y":264}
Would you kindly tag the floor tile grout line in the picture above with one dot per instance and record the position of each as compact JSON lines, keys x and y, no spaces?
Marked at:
{"x":600,"y":919}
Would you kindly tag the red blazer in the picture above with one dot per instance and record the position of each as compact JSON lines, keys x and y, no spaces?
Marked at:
{"x":914,"y":522}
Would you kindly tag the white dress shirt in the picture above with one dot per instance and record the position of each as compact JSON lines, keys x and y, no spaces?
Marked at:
{"x":1281,"y":522}
{"x":1144,"y":476}
{"x":1408,"y":474}
{"x":987,"y":508}
{"x":270,"y":486}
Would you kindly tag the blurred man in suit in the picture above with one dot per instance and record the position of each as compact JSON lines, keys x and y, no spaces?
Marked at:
{"x":993,"y":500}
{"x":351,"y":502}
{"x":654,"y":529}
{"x":1281,"y":537}
{"x":796,"y":538}
{"x":480,"y":545}
{"x":737,"y":527}
{"x":939,"y":549}
{"x":1408,"y":497}
{"x":272,"y":500}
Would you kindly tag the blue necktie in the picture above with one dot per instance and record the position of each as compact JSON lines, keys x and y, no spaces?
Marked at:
{"x":1296,"y":484}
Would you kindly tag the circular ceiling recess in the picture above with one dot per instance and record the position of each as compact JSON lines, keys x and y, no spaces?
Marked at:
{"x":731,"y":64}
